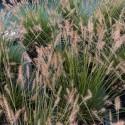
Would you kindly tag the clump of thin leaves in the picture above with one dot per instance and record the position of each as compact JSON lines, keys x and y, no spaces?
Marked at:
{"x":63,"y":69}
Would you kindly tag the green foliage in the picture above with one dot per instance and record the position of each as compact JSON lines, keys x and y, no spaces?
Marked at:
{"x":12,"y":50}
{"x":86,"y":74}
{"x":38,"y":27}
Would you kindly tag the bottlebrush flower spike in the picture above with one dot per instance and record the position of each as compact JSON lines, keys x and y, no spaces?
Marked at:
{"x":90,"y":26}
{"x":117,"y":103}
{"x":116,"y":35}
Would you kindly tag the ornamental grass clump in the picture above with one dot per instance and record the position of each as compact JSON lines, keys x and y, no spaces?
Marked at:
{"x":38,"y":26}
{"x":64,"y":68}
